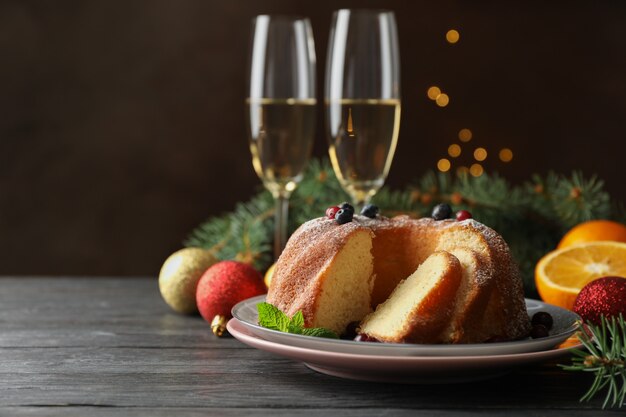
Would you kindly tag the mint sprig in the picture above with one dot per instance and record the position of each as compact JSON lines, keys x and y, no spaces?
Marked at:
{"x":271,"y":317}
{"x":319,"y":332}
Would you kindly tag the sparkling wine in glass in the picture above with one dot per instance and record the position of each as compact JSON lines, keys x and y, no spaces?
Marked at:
{"x":362,"y":98}
{"x":280,"y":108}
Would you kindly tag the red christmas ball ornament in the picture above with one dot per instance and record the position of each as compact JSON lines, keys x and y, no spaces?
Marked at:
{"x":221,"y":287}
{"x":603,"y":296}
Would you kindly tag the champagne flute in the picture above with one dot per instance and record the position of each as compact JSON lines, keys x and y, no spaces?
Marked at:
{"x":362,"y":94}
{"x":280,"y":108}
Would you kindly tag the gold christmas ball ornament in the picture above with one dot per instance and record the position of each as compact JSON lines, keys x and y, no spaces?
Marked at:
{"x":179,"y":278}
{"x":268,"y":275}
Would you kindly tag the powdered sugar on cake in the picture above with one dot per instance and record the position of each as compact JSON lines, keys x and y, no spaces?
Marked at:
{"x":320,"y":251}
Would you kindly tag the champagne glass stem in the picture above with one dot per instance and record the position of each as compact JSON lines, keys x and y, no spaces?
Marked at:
{"x":358,"y":204}
{"x":280,"y":226}
{"x":362,"y":203}
{"x":360,"y":200}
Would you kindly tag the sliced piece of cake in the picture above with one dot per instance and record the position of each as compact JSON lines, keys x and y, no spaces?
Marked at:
{"x":326,"y":272}
{"x":421,"y":306}
{"x":467,"y":324}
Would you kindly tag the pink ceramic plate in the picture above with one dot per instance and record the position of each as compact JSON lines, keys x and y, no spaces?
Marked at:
{"x":565,"y":324}
{"x":403,"y":369}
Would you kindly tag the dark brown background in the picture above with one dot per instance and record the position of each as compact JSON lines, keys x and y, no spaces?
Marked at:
{"x":121,"y":122}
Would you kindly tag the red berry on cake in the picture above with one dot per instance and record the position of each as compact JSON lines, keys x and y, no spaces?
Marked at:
{"x":331,"y":212}
{"x":463,"y":215}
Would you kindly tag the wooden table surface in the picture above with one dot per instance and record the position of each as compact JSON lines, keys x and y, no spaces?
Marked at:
{"x":110,"y":346}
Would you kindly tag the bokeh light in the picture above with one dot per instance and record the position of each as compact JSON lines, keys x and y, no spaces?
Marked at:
{"x":443,"y":165}
{"x":442,"y":100}
{"x":453,"y":36}
{"x":476,"y":170}
{"x":454,"y":150}
{"x":506,"y":155}
{"x":480,"y":154}
{"x":433,"y":92}
{"x":465,"y":135}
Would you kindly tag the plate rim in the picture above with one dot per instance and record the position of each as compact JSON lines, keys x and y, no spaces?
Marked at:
{"x":393,"y":358}
{"x":405,"y":346}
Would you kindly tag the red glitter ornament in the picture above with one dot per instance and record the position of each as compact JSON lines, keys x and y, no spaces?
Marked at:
{"x":222,"y":286}
{"x":603,"y":296}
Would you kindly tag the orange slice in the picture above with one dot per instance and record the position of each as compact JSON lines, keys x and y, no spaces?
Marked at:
{"x":562,"y":273}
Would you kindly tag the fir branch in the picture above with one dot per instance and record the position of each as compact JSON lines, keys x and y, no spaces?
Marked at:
{"x":531,"y":217}
{"x":245,"y":234}
{"x":394,"y":203}
{"x":568,"y":201}
{"x":318,"y":190}
{"x":605,"y":357}
{"x":577,"y":199}
{"x":212,"y":235}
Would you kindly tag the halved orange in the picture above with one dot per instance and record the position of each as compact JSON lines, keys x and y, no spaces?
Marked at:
{"x":594,"y":230}
{"x":561,"y":274}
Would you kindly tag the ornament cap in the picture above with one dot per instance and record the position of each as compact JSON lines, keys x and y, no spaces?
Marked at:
{"x":218,"y":325}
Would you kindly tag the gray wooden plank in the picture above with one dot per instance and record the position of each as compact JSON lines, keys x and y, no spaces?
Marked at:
{"x":80,"y":298}
{"x":71,"y":411}
{"x":112,"y":344}
{"x":130,"y":360}
{"x":271,"y":382}
{"x":96,"y":312}
{"x":114,"y":336}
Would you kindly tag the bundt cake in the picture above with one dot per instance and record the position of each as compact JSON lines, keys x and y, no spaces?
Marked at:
{"x":337,"y":274}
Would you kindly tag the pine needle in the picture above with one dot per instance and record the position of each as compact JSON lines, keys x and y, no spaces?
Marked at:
{"x":531,"y":217}
{"x":605,"y":357}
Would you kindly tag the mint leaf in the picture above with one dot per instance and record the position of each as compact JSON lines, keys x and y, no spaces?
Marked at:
{"x":297,"y":323}
{"x":272,"y":318}
{"x":320,"y":332}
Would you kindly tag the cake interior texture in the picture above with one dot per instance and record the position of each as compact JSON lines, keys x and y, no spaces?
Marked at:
{"x":467,"y":322}
{"x":346,"y":285}
{"x":420,"y":307}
